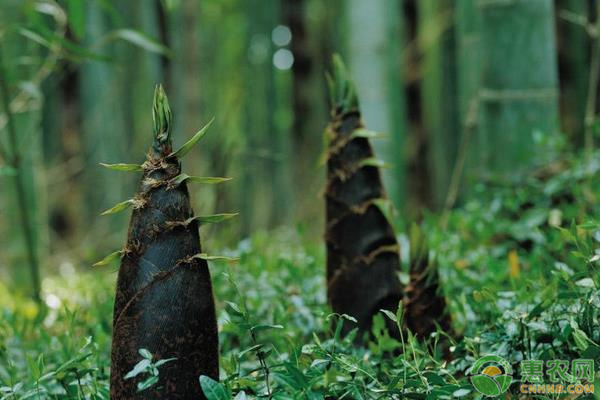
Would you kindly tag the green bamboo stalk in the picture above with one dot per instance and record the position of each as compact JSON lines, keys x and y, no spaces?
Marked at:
{"x":251,"y":215}
{"x":574,"y":53}
{"x":314,"y":37}
{"x":104,"y":135}
{"x":592,"y":97}
{"x":307,"y":109}
{"x":278,"y":140}
{"x":140,"y":68}
{"x":374,"y":46}
{"x":467,"y":29}
{"x":21,"y":192}
{"x":468,"y":55}
{"x":437,"y":44}
{"x":264,"y":145}
{"x":396,"y":76}
{"x":519,"y":90}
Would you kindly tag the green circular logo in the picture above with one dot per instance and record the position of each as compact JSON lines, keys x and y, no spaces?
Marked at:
{"x":492,"y":375}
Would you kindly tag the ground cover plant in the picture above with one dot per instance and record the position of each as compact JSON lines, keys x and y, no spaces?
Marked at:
{"x":539,"y":299}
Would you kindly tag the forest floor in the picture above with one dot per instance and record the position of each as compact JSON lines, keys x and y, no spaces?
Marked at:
{"x":519,"y":267}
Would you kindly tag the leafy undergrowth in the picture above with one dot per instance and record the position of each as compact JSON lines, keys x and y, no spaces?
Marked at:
{"x":519,"y":267}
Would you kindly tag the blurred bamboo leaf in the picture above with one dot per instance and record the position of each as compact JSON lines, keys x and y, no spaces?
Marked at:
{"x":50,"y":8}
{"x":32,"y":89}
{"x":76,"y":17}
{"x":29,"y":34}
{"x":171,"y":5}
{"x":139,"y":39}
{"x":54,"y":42}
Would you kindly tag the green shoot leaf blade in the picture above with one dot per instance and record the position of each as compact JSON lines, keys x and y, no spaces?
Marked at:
{"x":368,"y":134}
{"x":208,"y":180}
{"x":162,"y":118}
{"x":211,"y":219}
{"x":373,"y":162}
{"x":109,"y":259}
{"x":204,"y":256}
{"x":183,"y":150}
{"x":124,"y":167}
{"x":119,"y":207}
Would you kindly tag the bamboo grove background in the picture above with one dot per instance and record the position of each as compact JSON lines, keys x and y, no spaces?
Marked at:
{"x":466,"y":91}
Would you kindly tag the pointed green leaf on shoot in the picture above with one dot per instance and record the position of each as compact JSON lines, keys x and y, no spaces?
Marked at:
{"x":330,"y":87}
{"x":109,"y":259}
{"x":183,"y":150}
{"x":124,"y":167}
{"x":162,"y":119}
{"x":323,"y":157}
{"x":210,"y":219}
{"x":119,"y":207}
{"x":367,"y":134}
{"x":386,"y":206}
{"x":204,"y":256}
{"x":209,"y":180}
{"x":373,"y":162}
{"x":203,"y":219}
{"x":342,"y":91}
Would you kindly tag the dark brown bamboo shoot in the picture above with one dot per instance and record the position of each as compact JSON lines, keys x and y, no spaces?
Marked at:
{"x":164,"y":301}
{"x":362,"y":251}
